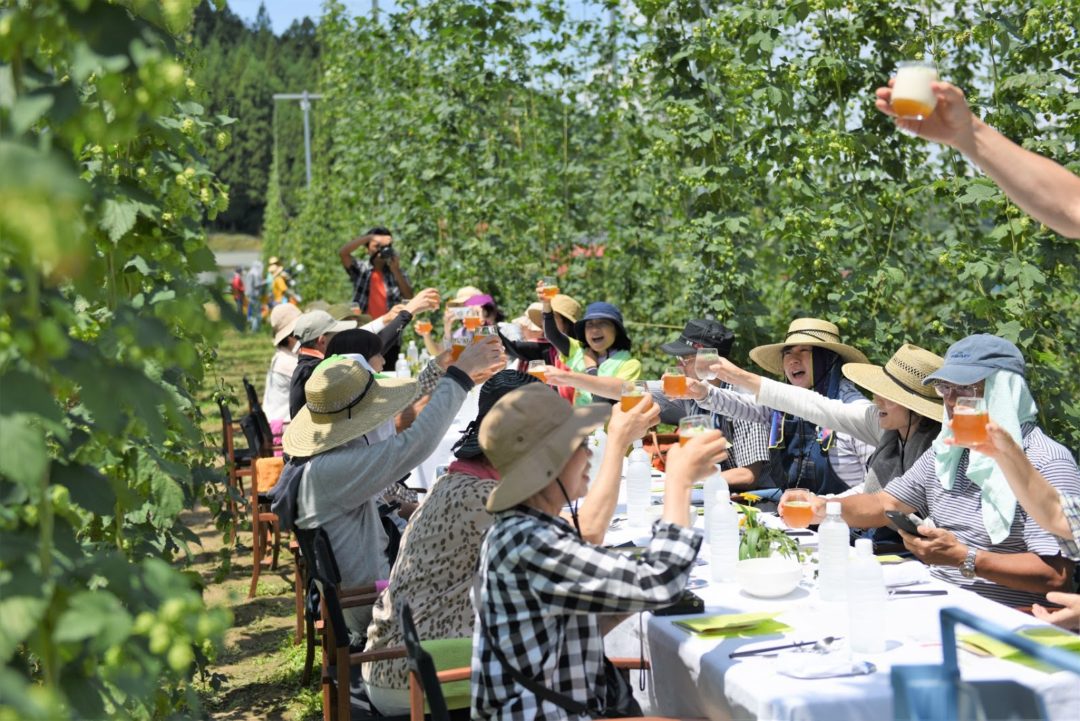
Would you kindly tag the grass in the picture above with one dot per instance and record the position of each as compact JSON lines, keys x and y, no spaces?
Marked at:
{"x":259,"y":664}
{"x":233,"y":241}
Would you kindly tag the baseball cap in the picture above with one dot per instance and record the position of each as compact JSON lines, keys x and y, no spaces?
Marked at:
{"x":972,"y":359}
{"x":315,"y":323}
{"x":701,"y":333}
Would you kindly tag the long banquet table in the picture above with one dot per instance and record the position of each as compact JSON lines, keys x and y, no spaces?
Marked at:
{"x":693,"y":676}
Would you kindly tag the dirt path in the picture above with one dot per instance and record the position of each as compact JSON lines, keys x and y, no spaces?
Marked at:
{"x":260,"y":666}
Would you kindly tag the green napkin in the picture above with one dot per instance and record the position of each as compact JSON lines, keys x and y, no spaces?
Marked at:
{"x":988,"y":646}
{"x":448,"y":653}
{"x":735,"y":624}
{"x":890,"y":559}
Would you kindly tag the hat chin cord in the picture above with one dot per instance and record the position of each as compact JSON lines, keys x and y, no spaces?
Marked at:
{"x":572,"y":505}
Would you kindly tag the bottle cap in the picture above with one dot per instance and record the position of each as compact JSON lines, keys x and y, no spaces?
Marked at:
{"x":832,"y":508}
{"x":638,"y":444}
{"x":864,"y":547}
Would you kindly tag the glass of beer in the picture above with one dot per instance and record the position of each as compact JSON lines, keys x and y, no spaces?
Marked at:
{"x":633,"y":392}
{"x":703,"y":363}
{"x":551,"y":286}
{"x":674,"y":383}
{"x":912,"y":96}
{"x":474,"y":317}
{"x":691,"y":426}
{"x":423,"y":327}
{"x":969,"y":421}
{"x":538,"y":370}
{"x":797,"y":514}
{"x":483,"y":332}
{"x":457,"y":345}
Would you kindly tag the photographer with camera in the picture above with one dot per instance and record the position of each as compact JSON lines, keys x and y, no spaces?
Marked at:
{"x":379,"y":282}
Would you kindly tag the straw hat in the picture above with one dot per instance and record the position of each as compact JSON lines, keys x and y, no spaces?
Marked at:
{"x":528,"y":436}
{"x":564,"y":305}
{"x":805,"y":331}
{"x":463,"y":295}
{"x":283,"y":320}
{"x":533,"y":319}
{"x":901,"y":380}
{"x":344,"y":401}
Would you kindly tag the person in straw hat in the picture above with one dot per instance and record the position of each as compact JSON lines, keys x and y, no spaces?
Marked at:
{"x":541,"y":586}
{"x":803,"y":454}
{"x":902,"y":423}
{"x":275,"y":401}
{"x":564,"y":312}
{"x":344,"y":471}
{"x":975,"y":535}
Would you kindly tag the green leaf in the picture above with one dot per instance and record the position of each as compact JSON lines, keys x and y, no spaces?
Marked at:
{"x":21,"y":392}
{"x":118,"y":217}
{"x":93,"y":614}
{"x":25,"y":459}
{"x":19,"y":617}
{"x":168,"y":495}
{"x":28,"y":109}
{"x":978,"y":192}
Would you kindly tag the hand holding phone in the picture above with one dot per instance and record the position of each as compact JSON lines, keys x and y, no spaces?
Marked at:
{"x":908,"y":523}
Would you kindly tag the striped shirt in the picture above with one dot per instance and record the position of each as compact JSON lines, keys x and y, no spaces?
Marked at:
{"x":1070,"y":506}
{"x":960,"y":510}
{"x":537,"y":595}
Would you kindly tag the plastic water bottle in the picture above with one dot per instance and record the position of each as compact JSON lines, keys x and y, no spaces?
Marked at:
{"x":724,"y":531}
{"x":638,"y":486}
{"x":401,"y":368}
{"x":715,"y":485}
{"x":598,"y":443}
{"x":833,"y":547}
{"x":866,"y":600}
{"x":411,"y":355}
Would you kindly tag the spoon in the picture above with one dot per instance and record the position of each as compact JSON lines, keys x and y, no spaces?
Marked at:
{"x":820,"y":646}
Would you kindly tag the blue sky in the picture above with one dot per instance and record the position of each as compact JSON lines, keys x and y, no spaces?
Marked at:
{"x":283,"y":12}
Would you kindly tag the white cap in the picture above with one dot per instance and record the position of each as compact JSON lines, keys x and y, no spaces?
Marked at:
{"x":638,"y":444}
{"x":864,"y":547}
{"x":832,"y":508}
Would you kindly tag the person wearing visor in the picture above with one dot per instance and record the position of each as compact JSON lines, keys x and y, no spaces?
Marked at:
{"x":975,"y":534}
{"x":749,"y":441}
{"x":538,"y":650}
{"x":803,"y":454}
{"x":601,"y":361}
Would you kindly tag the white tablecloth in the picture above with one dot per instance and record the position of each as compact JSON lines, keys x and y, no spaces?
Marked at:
{"x":693,"y":676}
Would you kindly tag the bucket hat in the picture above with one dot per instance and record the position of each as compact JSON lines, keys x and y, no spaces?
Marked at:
{"x":493,"y":389}
{"x":562,"y":304}
{"x":533,"y":319}
{"x":805,"y":331}
{"x":901,"y":379}
{"x":601,"y":311}
{"x":701,"y":333}
{"x":283,"y":320}
{"x":344,"y":401}
{"x":972,"y":359}
{"x":528,"y":436}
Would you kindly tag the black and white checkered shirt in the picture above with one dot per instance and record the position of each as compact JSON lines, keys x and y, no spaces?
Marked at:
{"x":538,"y":591}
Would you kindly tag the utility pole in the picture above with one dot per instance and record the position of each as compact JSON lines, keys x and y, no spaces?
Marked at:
{"x":305,"y":99}
{"x":375,"y":10}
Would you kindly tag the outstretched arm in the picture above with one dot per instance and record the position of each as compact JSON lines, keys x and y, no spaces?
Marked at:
{"x":1042,"y":188}
{"x":345,"y":252}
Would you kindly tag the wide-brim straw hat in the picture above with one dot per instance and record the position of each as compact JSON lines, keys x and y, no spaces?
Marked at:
{"x":528,"y":436}
{"x":462,"y":295}
{"x":805,"y":331}
{"x":533,"y":319}
{"x":344,"y":401}
{"x":564,"y":305}
{"x":283,"y":320}
{"x":901,"y":379}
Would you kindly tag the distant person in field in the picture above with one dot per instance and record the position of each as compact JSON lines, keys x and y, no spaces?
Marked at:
{"x":236,"y":285}
{"x":1044,"y":189}
{"x":254,"y":281}
{"x":379,"y":283}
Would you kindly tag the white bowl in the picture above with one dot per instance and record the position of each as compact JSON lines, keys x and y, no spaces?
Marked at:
{"x":768,"y":577}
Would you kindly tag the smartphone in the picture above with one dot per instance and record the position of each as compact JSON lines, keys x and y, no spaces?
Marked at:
{"x":906,"y":523}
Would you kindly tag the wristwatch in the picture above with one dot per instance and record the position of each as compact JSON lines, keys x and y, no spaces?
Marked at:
{"x":967,"y":568}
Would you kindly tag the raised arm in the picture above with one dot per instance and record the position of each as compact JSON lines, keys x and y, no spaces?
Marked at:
{"x":525,"y":350}
{"x":346,"y":251}
{"x":727,"y":402}
{"x":553,"y":334}
{"x":1042,"y":188}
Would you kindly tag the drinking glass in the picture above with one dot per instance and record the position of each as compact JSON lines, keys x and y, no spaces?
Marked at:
{"x":538,"y":369}
{"x":474,"y":317}
{"x":423,"y":327}
{"x":797,"y":514}
{"x":674,"y":383}
{"x":691,"y":426}
{"x":483,"y":332}
{"x":457,"y":345}
{"x":969,"y":421}
{"x":912,"y":96}
{"x":551,"y":286}
{"x":703,"y":363}
{"x":633,"y":392}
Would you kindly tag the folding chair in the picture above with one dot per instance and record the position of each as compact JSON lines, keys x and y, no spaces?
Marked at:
{"x":937,"y":693}
{"x":238,"y":462}
{"x":265,"y":528}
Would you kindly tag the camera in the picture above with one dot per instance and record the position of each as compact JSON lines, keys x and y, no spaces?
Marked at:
{"x":386,"y":252}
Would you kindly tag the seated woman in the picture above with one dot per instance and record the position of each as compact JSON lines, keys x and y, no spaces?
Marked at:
{"x":803,"y":454}
{"x":903,"y":422}
{"x":601,"y":362}
{"x":275,"y":400}
{"x":565,"y":311}
{"x":541,"y":586}
{"x":439,"y":550}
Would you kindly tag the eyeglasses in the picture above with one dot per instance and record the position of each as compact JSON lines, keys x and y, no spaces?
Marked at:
{"x":944,"y":389}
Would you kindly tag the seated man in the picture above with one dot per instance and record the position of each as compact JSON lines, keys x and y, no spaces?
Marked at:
{"x":346,"y":471}
{"x":541,"y":586}
{"x":749,"y":441}
{"x":314,"y":330}
{"x":980,"y":538}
